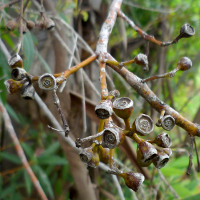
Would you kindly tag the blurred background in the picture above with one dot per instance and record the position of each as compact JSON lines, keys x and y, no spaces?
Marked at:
{"x":77,"y":24}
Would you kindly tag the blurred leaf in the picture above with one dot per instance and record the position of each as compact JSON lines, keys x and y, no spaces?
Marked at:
{"x":27,"y":150}
{"x":12,"y":113}
{"x":44,"y":63}
{"x":28,"y":183}
{"x":44,"y":180}
{"x":58,"y":187}
{"x":11,"y":157}
{"x":51,"y":149}
{"x":194,"y":197}
{"x":28,"y":49}
{"x":52,"y":160}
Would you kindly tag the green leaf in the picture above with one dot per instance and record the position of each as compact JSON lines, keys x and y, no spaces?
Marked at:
{"x":12,"y":113}
{"x":44,"y":180}
{"x":52,"y":160}
{"x":28,"y":183}
{"x":28,"y":49}
{"x":45,"y":65}
{"x":27,"y":150}
{"x":51,"y":149}
{"x":194,"y":197}
{"x":11,"y":157}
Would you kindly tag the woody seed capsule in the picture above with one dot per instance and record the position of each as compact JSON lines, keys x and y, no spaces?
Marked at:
{"x":167,"y":122}
{"x":163,"y":140}
{"x":18,"y":74}
{"x":184,"y":64}
{"x":104,"y":109}
{"x":161,"y":159}
{"x":47,"y":82}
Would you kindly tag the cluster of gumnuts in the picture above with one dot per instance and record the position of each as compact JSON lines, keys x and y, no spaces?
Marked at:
{"x":44,"y":22}
{"x":21,"y":81}
{"x":156,"y":151}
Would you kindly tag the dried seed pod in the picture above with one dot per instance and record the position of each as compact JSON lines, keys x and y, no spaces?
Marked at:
{"x":104,"y":109}
{"x":88,"y":156}
{"x":163,"y":140}
{"x":18,"y":74}
{"x":146,"y":152}
{"x":123,"y":107}
{"x":143,"y":125}
{"x":49,"y":23}
{"x":11,"y":24}
{"x":30,"y":24}
{"x":141,"y":59}
{"x":167,"y":122}
{"x":28,"y":92}
{"x":47,"y":82}
{"x":168,"y":151}
{"x":184,"y":64}
{"x":15,"y":61}
{"x":112,"y":137}
{"x":187,"y":31}
{"x":161,"y":159}
{"x":133,"y":180}
{"x":13,"y":86}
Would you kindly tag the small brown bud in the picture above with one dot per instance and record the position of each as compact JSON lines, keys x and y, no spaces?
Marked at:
{"x":184,"y":64}
{"x":30,"y":24}
{"x":11,"y":25}
{"x":15,"y":61}
{"x":13,"y":86}
{"x":143,"y":125}
{"x":141,"y":59}
{"x":104,"y":109}
{"x":123,"y":107}
{"x":163,"y":140}
{"x":167,"y":122}
{"x":133,"y":180}
{"x":47,"y":82}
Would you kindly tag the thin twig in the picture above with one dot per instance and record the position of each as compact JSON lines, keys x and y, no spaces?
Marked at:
{"x":64,"y":121}
{"x":197,"y":154}
{"x":190,"y":155}
{"x":9,"y":4}
{"x":20,"y":152}
{"x":168,"y":184}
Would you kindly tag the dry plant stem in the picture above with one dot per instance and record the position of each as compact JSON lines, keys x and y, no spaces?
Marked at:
{"x":9,"y":4}
{"x":166,"y":75}
{"x":190,"y":156}
{"x":20,"y":27}
{"x":20,"y":152}
{"x":64,"y":121}
{"x":127,"y":124}
{"x":137,"y":139}
{"x":167,"y":183}
{"x":102,"y":77}
{"x":197,"y":153}
{"x":143,"y":90}
{"x":25,"y":5}
{"x":141,"y":32}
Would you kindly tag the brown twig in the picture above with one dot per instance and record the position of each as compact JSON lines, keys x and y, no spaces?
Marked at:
{"x":20,"y":152}
{"x":20,"y":27}
{"x":9,"y":4}
{"x":64,"y":121}
{"x":197,"y":154}
{"x":190,"y":156}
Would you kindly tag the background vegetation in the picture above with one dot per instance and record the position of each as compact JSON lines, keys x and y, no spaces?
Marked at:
{"x":50,"y":158}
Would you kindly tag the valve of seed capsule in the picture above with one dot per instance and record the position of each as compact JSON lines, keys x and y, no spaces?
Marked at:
{"x":123,"y":107}
{"x":143,"y":125}
{"x":47,"y":82}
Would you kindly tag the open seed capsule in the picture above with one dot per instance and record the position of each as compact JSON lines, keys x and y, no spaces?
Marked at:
{"x":123,"y":107}
{"x":47,"y":82}
{"x":187,"y":31}
{"x":18,"y":74}
{"x":13,"y":86}
{"x":28,"y":92}
{"x":163,"y":140}
{"x":167,"y":122}
{"x":143,"y":125}
{"x":89,"y":157}
{"x":146,"y":152}
{"x":133,"y":180}
{"x":141,"y":59}
{"x":104,"y":109}
{"x":161,"y":159}
{"x":112,"y":137}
